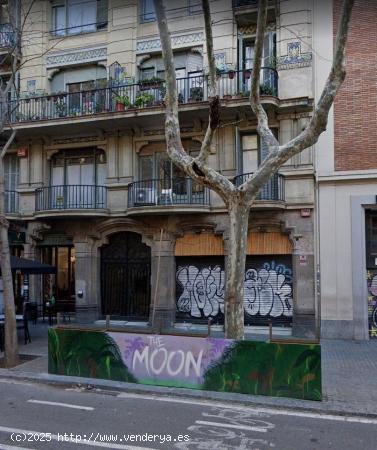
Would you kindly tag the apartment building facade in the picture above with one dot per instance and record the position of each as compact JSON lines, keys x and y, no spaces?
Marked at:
{"x":91,"y":189}
{"x":346,"y":175}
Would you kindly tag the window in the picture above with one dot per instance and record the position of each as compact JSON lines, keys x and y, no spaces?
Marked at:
{"x":11,"y":179}
{"x":11,"y":172}
{"x":195,"y":6}
{"x":86,"y":97}
{"x":254,"y":151}
{"x":78,"y":16}
{"x":250,"y":153}
{"x":148,"y":13}
{"x":165,"y":181}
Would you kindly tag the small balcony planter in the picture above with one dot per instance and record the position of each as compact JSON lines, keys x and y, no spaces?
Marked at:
{"x":239,"y":95}
{"x":144,"y":99}
{"x":151,"y":83}
{"x":247,"y":74}
{"x":122,"y":102}
{"x":231,"y":74}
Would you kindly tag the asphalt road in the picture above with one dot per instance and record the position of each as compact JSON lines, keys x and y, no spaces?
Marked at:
{"x":38,"y":416}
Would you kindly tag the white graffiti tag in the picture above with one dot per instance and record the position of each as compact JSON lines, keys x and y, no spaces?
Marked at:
{"x":267,"y":293}
{"x":203,"y":291}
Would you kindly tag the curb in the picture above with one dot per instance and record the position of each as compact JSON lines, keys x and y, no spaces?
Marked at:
{"x":325,"y":407}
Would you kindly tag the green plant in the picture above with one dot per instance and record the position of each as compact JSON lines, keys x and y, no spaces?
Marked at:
{"x":143,"y":99}
{"x":86,"y":354}
{"x":60,"y":107}
{"x":271,"y":62}
{"x":123,"y":99}
{"x":151,"y":80}
{"x":266,"y":89}
{"x":196,"y":93}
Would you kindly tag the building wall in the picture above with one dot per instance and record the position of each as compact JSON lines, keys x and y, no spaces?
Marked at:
{"x":356,"y":138}
{"x":346,"y":174}
{"x":129,"y":43}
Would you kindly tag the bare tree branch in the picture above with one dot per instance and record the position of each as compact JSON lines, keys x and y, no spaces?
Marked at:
{"x":263,"y":128}
{"x":278,"y":155}
{"x":214,"y":103}
{"x":196,"y":168}
{"x":8,"y":144}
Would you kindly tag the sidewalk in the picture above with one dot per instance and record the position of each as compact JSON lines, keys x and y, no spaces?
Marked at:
{"x":349,"y":374}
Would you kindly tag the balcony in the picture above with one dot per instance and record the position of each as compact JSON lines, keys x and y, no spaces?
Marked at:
{"x":70,"y":197}
{"x":233,"y":87}
{"x":11,"y":202}
{"x":273,"y":190}
{"x":245,"y":3}
{"x":164,"y":193}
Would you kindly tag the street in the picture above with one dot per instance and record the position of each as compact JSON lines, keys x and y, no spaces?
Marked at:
{"x":38,"y":416}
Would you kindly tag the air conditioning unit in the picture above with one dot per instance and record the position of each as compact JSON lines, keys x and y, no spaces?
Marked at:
{"x":145,"y":196}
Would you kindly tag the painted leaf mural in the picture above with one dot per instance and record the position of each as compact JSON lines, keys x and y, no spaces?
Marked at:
{"x":250,"y":367}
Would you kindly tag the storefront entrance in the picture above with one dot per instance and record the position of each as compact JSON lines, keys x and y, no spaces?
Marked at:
{"x":371,"y":265}
{"x":125,"y":277}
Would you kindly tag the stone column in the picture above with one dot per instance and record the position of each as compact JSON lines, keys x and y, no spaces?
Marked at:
{"x":86,"y":281}
{"x":162,"y":313}
{"x":304,"y":308}
{"x":30,"y":252}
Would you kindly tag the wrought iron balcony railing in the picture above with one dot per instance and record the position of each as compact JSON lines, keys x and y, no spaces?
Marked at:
{"x":70,"y":197}
{"x":241,"y":3}
{"x":11,"y":202}
{"x":273,"y":190}
{"x":162,"y":192}
{"x":231,"y":85}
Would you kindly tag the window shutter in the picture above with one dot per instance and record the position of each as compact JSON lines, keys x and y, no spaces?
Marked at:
{"x":102,"y":10}
{"x":180,"y":60}
{"x":263,"y":150}
{"x":194,"y":62}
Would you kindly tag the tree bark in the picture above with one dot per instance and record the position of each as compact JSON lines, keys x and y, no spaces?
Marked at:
{"x":235,"y":269}
{"x":11,"y":341}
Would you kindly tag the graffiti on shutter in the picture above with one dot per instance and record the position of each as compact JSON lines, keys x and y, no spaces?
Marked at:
{"x":200,"y":288}
{"x":372,"y":302}
{"x":268,"y":291}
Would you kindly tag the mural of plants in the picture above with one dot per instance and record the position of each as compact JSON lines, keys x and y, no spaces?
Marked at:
{"x":248,"y":367}
{"x":86,"y":354}
{"x":261,"y":368}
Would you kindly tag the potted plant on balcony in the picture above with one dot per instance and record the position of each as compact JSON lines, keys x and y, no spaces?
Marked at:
{"x":238,"y":95}
{"x":60,"y":108}
{"x":266,"y":89}
{"x":247,"y":74}
{"x":150,"y":83}
{"x":196,"y":94}
{"x":143,"y":99}
{"x":122,"y":102}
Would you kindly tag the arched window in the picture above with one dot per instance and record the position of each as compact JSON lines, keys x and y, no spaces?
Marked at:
{"x":188,"y":71}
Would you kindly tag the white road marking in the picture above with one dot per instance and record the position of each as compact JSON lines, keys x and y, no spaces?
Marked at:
{"x":229,"y":425}
{"x":256,"y":409}
{"x":55,"y":437}
{"x":13,"y":447}
{"x":65,"y":405}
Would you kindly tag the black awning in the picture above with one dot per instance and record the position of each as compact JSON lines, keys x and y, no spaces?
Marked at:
{"x":30,"y":267}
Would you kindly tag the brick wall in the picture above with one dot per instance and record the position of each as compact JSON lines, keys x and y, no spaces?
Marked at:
{"x":356,"y":103}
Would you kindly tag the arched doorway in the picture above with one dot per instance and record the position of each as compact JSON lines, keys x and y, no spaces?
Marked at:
{"x":125,"y":277}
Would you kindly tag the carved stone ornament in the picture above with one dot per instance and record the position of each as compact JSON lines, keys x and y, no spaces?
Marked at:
{"x":177,"y":41}
{"x":79,"y":56}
